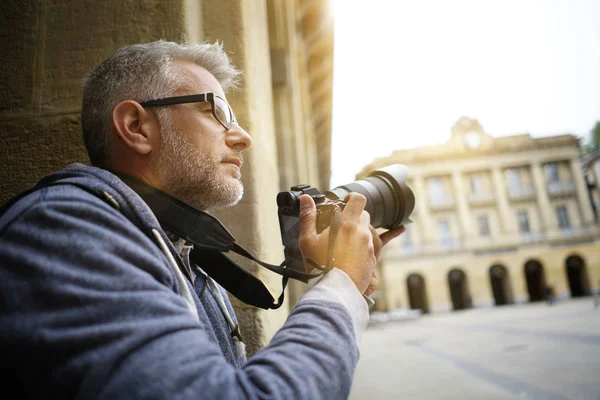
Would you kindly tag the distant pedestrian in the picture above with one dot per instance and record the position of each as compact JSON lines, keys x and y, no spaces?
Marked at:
{"x":597,"y":296}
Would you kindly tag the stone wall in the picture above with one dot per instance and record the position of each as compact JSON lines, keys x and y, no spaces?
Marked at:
{"x":47,"y":46}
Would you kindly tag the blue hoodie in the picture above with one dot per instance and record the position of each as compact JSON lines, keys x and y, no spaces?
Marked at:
{"x":92,"y":308}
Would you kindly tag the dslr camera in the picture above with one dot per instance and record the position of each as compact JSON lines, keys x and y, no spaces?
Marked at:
{"x":389,"y":203}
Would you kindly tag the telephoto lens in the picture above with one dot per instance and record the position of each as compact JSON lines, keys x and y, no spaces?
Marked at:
{"x":389,"y":199}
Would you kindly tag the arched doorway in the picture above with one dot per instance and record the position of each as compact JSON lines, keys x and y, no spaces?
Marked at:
{"x":501,"y":287}
{"x":536,"y":282}
{"x":459,"y":289}
{"x":417,"y":293}
{"x":579,"y":283}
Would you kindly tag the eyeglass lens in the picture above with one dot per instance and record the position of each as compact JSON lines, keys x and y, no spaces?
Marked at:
{"x":223,"y":112}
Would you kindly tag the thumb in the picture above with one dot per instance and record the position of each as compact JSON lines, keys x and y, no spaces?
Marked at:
{"x":308,"y":216}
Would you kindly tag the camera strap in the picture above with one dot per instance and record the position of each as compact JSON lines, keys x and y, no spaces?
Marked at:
{"x":211,"y":239}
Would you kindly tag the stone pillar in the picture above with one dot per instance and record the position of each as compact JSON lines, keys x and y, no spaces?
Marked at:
{"x":587,"y":214}
{"x":461,"y":198}
{"x":242,"y":26}
{"x":427,"y":229}
{"x":296,"y":135}
{"x":505,"y":210}
{"x":543,"y":200}
{"x":283,"y":93}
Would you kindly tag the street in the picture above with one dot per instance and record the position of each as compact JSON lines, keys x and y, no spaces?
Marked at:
{"x":528,"y":351}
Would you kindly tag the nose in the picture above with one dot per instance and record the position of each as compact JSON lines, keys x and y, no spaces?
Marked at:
{"x":238,"y":139}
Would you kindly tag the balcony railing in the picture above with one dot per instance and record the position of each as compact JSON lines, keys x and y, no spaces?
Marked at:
{"x":522,"y":193}
{"x":532,"y":237}
{"x":561,"y":188}
{"x":492,"y":245}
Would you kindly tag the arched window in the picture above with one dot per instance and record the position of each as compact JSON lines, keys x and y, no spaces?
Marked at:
{"x":417,"y":292}
{"x":536,"y":281}
{"x":459,"y":289}
{"x":501,"y":287}
{"x":579,"y":283}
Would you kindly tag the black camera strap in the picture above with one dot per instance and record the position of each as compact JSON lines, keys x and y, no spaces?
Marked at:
{"x":211,"y":239}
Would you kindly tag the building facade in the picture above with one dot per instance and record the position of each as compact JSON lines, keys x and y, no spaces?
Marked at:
{"x":591,"y":169}
{"x":497,"y":221}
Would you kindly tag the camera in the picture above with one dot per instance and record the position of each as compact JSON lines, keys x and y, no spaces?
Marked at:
{"x":389,"y":203}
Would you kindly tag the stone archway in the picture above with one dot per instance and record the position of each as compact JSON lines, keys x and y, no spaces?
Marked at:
{"x":501,"y":286}
{"x":579,"y":283}
{"x":536,"y":281}
{"x":417,"y":292}
{"x":459,"y":289}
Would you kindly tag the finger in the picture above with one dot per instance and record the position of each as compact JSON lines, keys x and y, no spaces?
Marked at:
{"x":365,"y":219}
{"x":355,"y":204}
{"x":308,"y":216}
{"x":391,"y":234}
{"x":372,"y":286}
{"x":377,"y":242}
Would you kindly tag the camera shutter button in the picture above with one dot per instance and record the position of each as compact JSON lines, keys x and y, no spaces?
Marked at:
{"x":318,"y":198}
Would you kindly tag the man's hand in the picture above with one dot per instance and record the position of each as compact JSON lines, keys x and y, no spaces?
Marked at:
{"x":354,"y":251}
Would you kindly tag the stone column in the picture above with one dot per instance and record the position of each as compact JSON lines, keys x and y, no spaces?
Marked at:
{"x":299,"y":153}
{"x":461,"y":199}
{"x":583,"y":198}
{"x":543,"y":200}
{"x":507,"y":217}
{"x":427,"y":228}
{"x":242,"y":26}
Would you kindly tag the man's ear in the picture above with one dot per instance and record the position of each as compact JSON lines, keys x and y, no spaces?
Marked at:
{"x":135,"y":126}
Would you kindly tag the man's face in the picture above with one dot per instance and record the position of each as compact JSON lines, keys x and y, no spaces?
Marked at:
{"x":199,"y":160}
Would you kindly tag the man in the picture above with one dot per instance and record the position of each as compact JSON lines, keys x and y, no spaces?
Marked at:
{"x":99,"y":301}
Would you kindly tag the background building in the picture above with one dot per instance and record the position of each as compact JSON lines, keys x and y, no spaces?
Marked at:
{"x":283,"y":47}
{"x":591,"y":169}
{"x":496,"y":221}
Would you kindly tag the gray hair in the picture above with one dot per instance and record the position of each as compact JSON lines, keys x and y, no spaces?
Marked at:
{"x":142,"y":72}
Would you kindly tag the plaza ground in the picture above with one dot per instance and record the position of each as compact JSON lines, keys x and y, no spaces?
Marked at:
{"x":528,"y":351}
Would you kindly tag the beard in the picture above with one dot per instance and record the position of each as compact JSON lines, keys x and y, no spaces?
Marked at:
{"x":193,"y":175}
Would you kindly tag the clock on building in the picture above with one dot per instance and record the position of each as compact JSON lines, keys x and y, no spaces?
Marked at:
{"x":473,"y":140}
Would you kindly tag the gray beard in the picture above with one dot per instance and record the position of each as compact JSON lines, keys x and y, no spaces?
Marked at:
{"x":192,"y":176}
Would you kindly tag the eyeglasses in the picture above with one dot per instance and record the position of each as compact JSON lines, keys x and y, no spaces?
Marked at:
{"x":219,"y":107}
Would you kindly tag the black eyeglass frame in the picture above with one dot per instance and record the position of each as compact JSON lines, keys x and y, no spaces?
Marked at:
{"x":195,"y":98}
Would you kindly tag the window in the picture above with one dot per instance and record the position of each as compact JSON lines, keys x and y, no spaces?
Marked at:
{"x":552,"y":173}
{"x":445,"y":234}
{"x":483,"y":225}
{"x":476,"y":184}
{"x":563,"y":218}
{"x":524,"y":228}
{"x":514,"y":181}
{"x":523,"y":219}
{"x":437,"y":194}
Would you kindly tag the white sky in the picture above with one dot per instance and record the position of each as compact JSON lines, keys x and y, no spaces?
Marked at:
{"x":405,"y":71}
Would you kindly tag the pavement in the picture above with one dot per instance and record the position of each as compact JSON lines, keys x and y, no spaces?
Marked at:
{"x":527,"y":351}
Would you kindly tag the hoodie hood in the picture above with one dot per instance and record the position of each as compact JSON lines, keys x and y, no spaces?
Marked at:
{"x":109,"y":187}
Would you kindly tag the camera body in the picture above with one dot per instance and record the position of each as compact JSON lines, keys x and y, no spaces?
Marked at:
{"x":389,"y":203}
{"x":288,"y":204}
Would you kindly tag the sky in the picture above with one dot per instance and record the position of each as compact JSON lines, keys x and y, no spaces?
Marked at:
{"x":406,"y":71}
